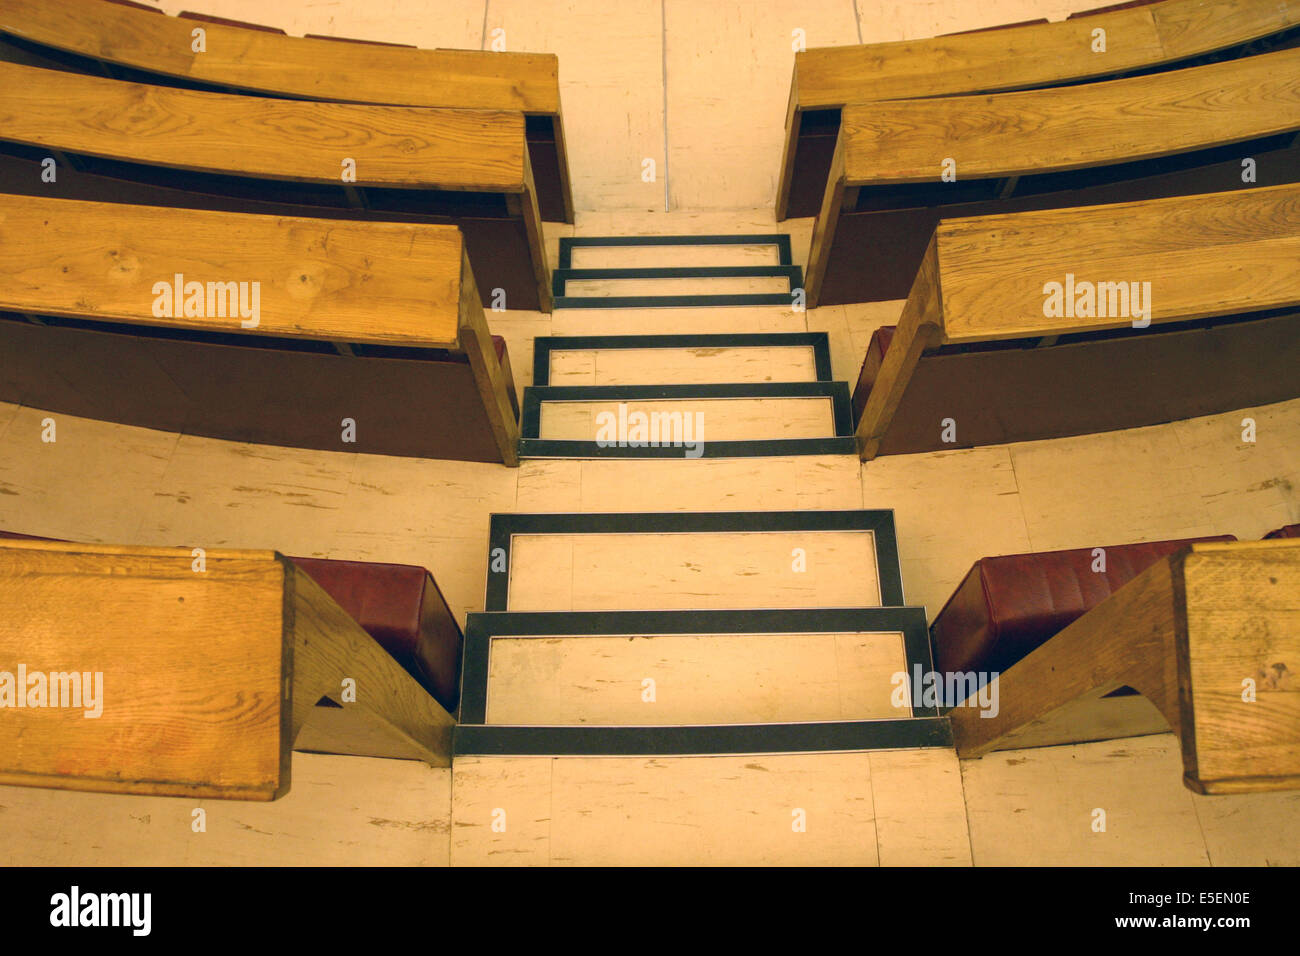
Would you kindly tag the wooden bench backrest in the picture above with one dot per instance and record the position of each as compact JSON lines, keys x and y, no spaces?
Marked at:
{"x":1064,"y":128}
{"x":295,"y":140}
{"x":292,"y":66}
{"x":1033,"y":55}
{"x":384,"y":283}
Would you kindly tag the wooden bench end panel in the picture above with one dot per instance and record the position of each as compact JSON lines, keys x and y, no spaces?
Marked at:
{"x":168,"y":670}
{"x":1240,"y":666}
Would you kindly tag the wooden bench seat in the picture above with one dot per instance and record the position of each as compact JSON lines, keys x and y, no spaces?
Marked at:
{"x":1016,"y":57}
{"x":1175,"y":133}
{"x":158,"y":676}
{"x":1205,"y":635}
{"x":374,"y":324}
{"x":466,"y":167}
{"x":974,"y":346}
{"x":96,"y":36}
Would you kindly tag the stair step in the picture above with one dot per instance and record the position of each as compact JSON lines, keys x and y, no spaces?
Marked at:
{"x":693,"y":560}
{"x":888,"y":807}
{"x":749,"y":419}
{"x":780,"y":241}
{"x":681,"y":359}
{"x":760,"y":252}
{"x":662,"y":286}
{"x":706,"y":667}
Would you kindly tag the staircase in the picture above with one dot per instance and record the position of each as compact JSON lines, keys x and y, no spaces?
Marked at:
{"x":672,"y":636}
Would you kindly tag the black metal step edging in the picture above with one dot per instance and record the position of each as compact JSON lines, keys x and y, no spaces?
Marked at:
{"x":544,"y":345}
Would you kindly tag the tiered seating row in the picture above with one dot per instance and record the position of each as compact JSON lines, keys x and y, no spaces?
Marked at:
{"x":1201,"y":291}
{"x":341,"y":336}
{"x":1017,"y":57}
{"x":902,"y":166}
{"x":118,"y":141}
{"x":240,"y":57}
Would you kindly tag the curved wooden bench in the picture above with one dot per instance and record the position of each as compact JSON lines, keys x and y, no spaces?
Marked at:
{"x":1018,"y":57}
{"x":1173,"y":133}
{"x":239,"y":57}
{"x":418,"y":373}
{"x":1205,"y":635}
{"x":406,"y":159}
{"x":200,"y":679}
{"x":975,"y":344}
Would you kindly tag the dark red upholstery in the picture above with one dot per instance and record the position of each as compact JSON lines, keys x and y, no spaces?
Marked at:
{"x":876,"y":350}
{"x":399,"y":605}
{"x":1007,"y":606}
{"x":1286,"y":531}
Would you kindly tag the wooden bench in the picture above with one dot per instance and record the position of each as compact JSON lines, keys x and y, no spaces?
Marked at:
{"x":467,"y":167}
{"x":1176,"y":133}
{"x":1017,"y":57}
{"x":95,"y":36}
{"x":401,"y":607}
{"x":974,"y":346}
{"x":1206,"y":635}
{"x":368,"y":337}
{"x":199,"y":677}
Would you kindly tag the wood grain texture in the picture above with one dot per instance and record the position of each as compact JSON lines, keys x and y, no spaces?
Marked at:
{"x":1242,"y":620}
{"x":1032,"y":55}
{"x":195,"y":670}
{"x":494,"y":388}
{"x":572,"y":572}
{"x":683,"y":366}
{"x":207,"y":673}
{"x":342,"y":811}
{"x":1187,"y":633}
{"x":1016,"y":58}
{"x":296,"y":140}
{"x":724,"y":419}
{"x":388,"y":283}
{"x":330,"y":646}
{"x":838,"y":196}
{"x":1215,"y":254}
{"x":698,"y":678}
{"x":274,"y":63}
{"x":1128,"y":639}
{"x":918,"y":328}
{"x":1073,"y":127}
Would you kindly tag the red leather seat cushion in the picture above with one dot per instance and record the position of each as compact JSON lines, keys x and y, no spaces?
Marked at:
{"x":1007,"y":606}
{"x":876,"y":350}
{"x":399,"y":605}
{"x":1286,"y":531}
{"x":499,"y":343}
